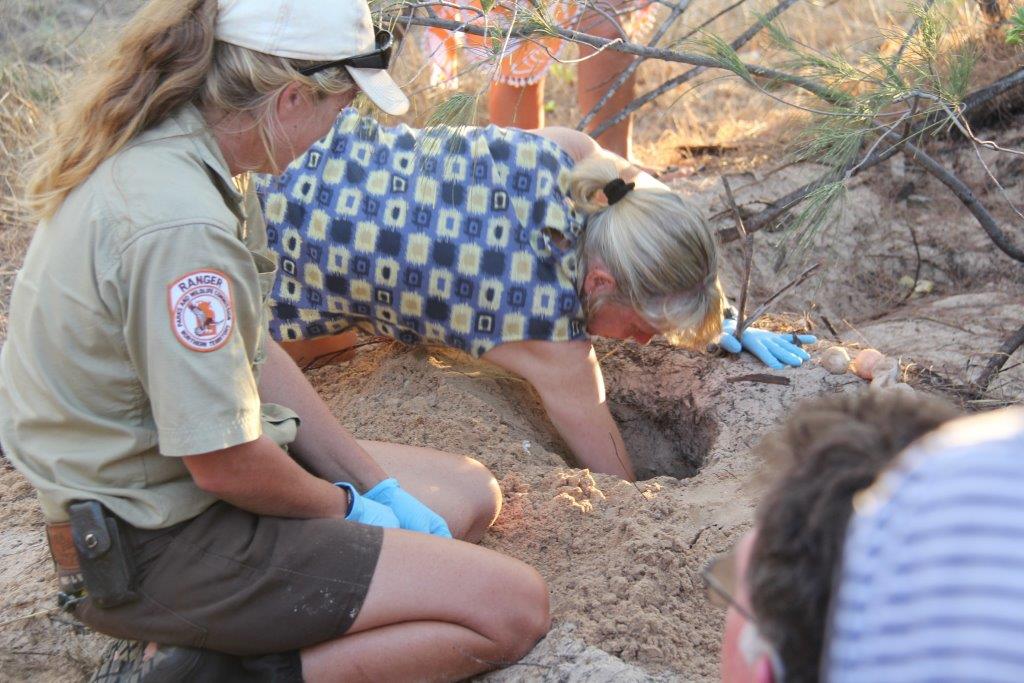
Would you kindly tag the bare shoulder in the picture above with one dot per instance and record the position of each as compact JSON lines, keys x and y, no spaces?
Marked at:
{"x":577,"y":145}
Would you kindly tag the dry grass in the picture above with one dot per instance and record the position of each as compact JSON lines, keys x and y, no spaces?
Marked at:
{"x":43,"y":41}
{"x":18,"y":121}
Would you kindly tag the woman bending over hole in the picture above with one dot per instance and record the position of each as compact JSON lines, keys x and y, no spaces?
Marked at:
{"x":514,"y":246}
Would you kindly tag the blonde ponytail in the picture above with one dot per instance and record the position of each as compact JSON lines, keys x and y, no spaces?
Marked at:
{"x":167,"y":58}
{"x":658,"y":248}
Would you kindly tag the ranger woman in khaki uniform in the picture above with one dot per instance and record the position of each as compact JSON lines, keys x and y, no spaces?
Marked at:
{"x":138,"y":376}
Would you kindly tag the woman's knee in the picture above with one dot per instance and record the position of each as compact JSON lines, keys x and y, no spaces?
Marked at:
{"x":526,"y":616}
{"x":483,"y":495}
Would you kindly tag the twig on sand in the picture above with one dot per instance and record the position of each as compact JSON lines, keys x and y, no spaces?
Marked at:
{"x":901,"y":143}
{"x":760,"y":378}
{"x":760,"y":310}
{"x":606,"y":356}
{"x":25,"y":617}
{"x":997,"y":361}
{"x":831,"y":328}
{"x":780,"y":206}
{"x":919,"y":157}
{"x":748,"y":257}
{"x":917,"y":268}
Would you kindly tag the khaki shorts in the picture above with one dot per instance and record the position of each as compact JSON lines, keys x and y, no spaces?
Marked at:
{"x":236,"y":582}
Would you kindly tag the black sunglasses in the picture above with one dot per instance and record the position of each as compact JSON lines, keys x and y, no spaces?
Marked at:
{"x":378,"y":59}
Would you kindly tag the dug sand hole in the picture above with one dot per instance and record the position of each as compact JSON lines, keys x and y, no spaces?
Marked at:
{"x":665,"y":435}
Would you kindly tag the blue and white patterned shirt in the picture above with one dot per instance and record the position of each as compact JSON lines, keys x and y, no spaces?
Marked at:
{"x":932,"y":582}
{"x":459,"y":236}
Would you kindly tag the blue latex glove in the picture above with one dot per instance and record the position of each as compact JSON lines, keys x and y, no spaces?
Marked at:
{"x":367,"y":511}
{"x":772,"y":348}
{"x":411,"y":513}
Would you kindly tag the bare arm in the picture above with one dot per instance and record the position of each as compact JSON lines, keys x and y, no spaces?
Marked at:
{"x":577,"y":145}
{"x":260,"y":477}
{"x":569,"y":381}
{"x":323,"y":445}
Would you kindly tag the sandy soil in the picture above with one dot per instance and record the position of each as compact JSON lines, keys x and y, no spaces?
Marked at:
{"x":621,"y":560}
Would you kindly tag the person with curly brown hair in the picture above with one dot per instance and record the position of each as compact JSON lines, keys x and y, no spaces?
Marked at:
{"x":888,"y":550}
{"x":778,"y":580}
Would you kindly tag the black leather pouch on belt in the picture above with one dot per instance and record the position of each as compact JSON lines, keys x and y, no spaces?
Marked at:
{"x":107,"y":565}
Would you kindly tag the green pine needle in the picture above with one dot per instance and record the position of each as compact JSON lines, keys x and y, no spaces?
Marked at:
{"x":458,"y":110}
{"x":717,"y":49}
{"x":1015,"y":34}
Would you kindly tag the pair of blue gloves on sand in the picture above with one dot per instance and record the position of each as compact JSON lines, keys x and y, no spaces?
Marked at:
{"x":390,"y":506}
{"x":775,"y":350}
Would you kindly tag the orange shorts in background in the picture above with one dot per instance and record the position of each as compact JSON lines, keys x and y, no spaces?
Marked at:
{"x":516,"y":61}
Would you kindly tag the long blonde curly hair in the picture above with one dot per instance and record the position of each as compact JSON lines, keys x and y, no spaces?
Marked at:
{"x":167,"y":57}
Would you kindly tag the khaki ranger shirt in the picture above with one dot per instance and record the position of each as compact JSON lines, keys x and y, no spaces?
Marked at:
{"x":137,"y":327}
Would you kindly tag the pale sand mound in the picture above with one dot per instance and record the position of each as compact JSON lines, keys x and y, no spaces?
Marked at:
{"x":621,"y":561}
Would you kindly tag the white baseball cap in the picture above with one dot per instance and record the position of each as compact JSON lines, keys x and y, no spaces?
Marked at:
{"x":312,"y":30}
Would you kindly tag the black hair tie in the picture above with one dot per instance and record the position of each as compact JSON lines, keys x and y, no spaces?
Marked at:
{"x":617,"y":189}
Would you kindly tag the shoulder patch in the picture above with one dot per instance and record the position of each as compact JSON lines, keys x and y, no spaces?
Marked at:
{"x":202,"y":315}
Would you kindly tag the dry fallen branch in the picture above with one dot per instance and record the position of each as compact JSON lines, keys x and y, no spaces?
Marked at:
{"x":761,"y":378}
{"x":917,"y":267}
{"x":780,"y":206}
{"x":980,"y":106}
{"x":967,"y":198}
{"x":918,"y":156}
{"x":997,"y":361}
{"x":1004,"y":84}
{"x":830,"y":327}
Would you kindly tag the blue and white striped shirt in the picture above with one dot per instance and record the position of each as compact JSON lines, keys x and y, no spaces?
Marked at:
{"x":932,"y":582}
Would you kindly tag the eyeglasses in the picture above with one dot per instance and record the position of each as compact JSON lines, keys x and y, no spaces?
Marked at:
{"x":378,"y":59}
{"x":720,"y":581}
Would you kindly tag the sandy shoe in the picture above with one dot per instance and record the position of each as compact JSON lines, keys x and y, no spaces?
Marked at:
{"x":124,"y":662}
